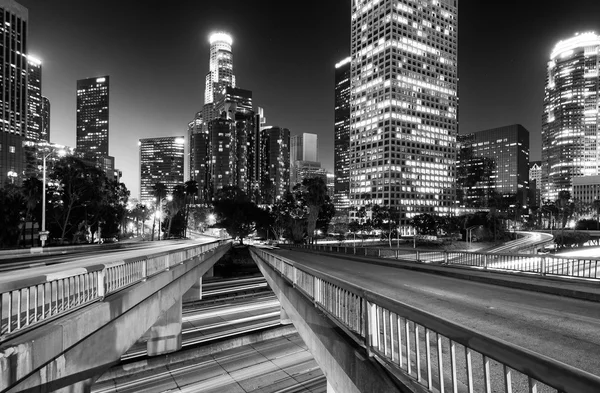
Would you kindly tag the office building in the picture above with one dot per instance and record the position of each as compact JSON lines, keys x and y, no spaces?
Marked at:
{"x":198,"y":155}
{"x":570,"y":116}
{"x":34,"y":100}
{"x":161,"y":161}
{"x":13,"y":84}
{"x":403,"y":105}
{"x":275,"y":163}
{"x":492,"y":163}
{"x":586,"y":189}
{"x":535,"y":183}
{"x":309,"y":169}
{"x":303,"y":147}
{"x":45,"y":118}
{"x":92,"y":118}
{"x":341,"y":154}
{"x":223,"y":149}
{"x":220,"y":74}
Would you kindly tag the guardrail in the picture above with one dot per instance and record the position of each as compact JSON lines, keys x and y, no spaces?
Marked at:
{"x":29,"y":301}
{"x":425,"y":347}
{"x":544,"y":265}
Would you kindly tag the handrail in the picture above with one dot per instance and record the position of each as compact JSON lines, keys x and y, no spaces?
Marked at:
{"x":422,"y":345}
{"x":27,"y":302}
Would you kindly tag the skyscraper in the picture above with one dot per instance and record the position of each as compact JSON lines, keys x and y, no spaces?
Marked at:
{"x":570,"y":117}
{"x":13,"y":85}
{"x":341,"y":156}
{"x":220,"y":74}
{"x":92,"y":117}
{"x":303,"y":147}
{"x":34,"y":99}
{"x":161,"y":160}
{"x":403,"y":105}
{"x":45,"y":118}
{"x":535,"y":182}
{"x":275,"y":163}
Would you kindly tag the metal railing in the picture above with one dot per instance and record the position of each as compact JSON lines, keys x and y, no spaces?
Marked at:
{"x":27,"y":302}
{"x":438,"y":354}
{"x":545,"y":265}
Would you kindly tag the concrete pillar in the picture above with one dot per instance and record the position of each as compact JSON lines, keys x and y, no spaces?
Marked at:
{"x":283,"y":317}
{"x":330,"y":388}
{"x":165,"y":335}
{"x":210,"y":272}
{"x":194,"y":293}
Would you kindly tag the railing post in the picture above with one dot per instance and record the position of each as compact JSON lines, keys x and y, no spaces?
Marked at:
{"x":418,"y":256}
{"x":485,"y":261}
{"x":365,"y":251}
{"x":379,"y":252}
{"x":446,"y":257}
{"x":397,"y":254}
{"x":543,"y":266}
{"x":101,"y":288}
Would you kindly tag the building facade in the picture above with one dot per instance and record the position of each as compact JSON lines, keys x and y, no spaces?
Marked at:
{"x":586,"y":189}
{"x":303,"y":147}
{"x":220,"y":74}
{"x":275,"y":163}
{"x":13,"y":85}
{"x":570,"y":116}
{"x":92,"y":119}
{"x":35,"y":130}
{"x":341,"y":153}
{"x":535,"y":183}
{"x":403,"y":105}
{"x":161,"y":160}
{"x":492,"y":163}
{"x":45,"y":118}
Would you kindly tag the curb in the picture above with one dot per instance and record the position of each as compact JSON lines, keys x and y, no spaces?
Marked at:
{"x":552,"y":287}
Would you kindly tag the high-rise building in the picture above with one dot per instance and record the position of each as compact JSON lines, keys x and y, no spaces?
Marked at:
{"x":45,"y":118}
{"x":34,"y":100}
{"x":199,"y":155}
{"x":220,"y":74}
{"x":497,"y":162}
{"x":570,"y":117}
{"x":403,"y":105}
{"x":303,"y":147}
{"x":535,"y":183}
{"x":161,"y":160}
{"x":341,"y":154}
{"x":223,"y":149}
{"x":275,"y":163}
{"x":13,"y":85}
{"x":309,"y":169}
{"x":92,"y":117}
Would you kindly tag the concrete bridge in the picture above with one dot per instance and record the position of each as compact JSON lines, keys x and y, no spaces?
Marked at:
{"x":375,"y":320}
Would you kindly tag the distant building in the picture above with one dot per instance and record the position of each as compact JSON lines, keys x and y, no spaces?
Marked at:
{"x":535,"y":183}
{"x":45,"y":118}
{"x":13,"y":101}
{"x":220,"y":74}
{"x":275,"y":163}
{"x":92,"y":116}
{"x":161,"y":160}
{"x":586,"y":188}
{"x":303,"y":147}
{"x":223,"y":149}
{"x":494,"y":161}
{"x":341,"y":152}
{"x":34,"y":100}
{"x":309,"y":169}
{"x":571,"y":117}
{"x":330,"y":185}
{"x":199,"y":155}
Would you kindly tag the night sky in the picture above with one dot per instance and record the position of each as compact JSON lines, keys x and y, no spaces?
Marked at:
{"x":156,"y":55}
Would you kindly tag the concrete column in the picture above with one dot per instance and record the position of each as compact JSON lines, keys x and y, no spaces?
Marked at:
{"x":165,"y":335}
{"x":330,"y":388}
{"x":194,"y":293}
{"x":210,"y":272}
{"x":283,"y":317}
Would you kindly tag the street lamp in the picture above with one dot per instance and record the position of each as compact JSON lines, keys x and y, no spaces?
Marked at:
{"x":43,"y":232}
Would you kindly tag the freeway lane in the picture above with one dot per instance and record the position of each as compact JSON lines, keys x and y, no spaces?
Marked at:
{"x":562,"y":328}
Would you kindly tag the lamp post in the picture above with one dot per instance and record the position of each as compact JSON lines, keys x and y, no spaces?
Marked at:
{"x":43,"y":232}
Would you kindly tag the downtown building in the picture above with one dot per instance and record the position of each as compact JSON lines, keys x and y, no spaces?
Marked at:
{"x":92,"y":122}
{"x":161,"y":161}
{"x":491,"y":164}
{"x":303,"y":148}
{"x":570,"y":117}
{"x":14,"y":87}
{"x":535,"y":183}
{"x":341,"y":153}
{"x":274,"y":163}
{"x":403,"y":106}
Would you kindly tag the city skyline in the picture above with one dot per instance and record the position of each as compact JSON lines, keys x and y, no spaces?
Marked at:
{"x":158,"y":75}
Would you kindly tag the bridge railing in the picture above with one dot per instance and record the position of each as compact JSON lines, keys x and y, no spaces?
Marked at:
{"x":544,"y":265}
{"x":437,"y":354}
{"x":30,"y":301}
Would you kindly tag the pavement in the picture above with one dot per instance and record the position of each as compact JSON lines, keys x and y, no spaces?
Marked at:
{"x":562,"y":286}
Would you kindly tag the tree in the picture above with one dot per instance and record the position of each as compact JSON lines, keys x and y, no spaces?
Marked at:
{"x":425,"y":224}
{"x":12,"y":205}
{"x":236,"y":212}
{"x":175,"y":205}
{"x":191,"y":191}
{"x":386,"y":219}
{"x":159,"y":192}
{"x":32,"y":192}
{"x":313,"y":193}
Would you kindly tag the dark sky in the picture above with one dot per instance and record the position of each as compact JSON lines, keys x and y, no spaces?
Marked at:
{"x":156,"y":55}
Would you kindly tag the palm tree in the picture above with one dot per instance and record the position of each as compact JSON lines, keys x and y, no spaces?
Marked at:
{"x":32,"y":192}
{"x":176,"y":203}
{"x":191,"y":191}
{"x":160,"y":192}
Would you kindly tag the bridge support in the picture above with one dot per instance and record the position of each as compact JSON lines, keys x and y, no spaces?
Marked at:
{"x":165,"y":334}
{"x":283,"y":317}
{"x":330,"y":388}
{"x":195,"y":292}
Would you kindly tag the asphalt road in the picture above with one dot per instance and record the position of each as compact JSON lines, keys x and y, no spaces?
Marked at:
{"x":562,"y":328}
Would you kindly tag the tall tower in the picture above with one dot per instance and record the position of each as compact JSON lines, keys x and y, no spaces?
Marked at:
{"x":92,"y":117}
{"x":403,"y":100}
{"x":34,"y":99}
{"x":341,"y":155}
{"x":570,"y":118}
{"x":220,"y":73}
{"x":45,"y":118}
{"x":161,"y":160}
{"x":13,"y":89}
{"x":303,"y":147}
